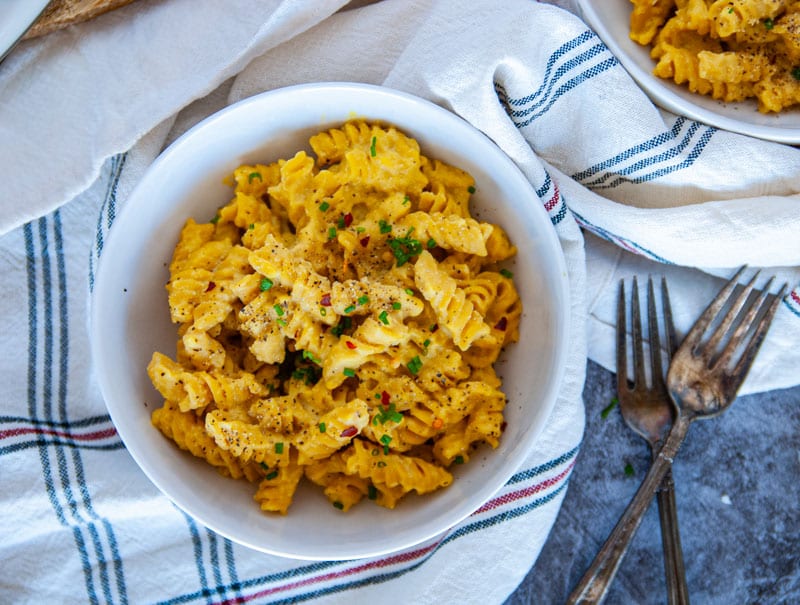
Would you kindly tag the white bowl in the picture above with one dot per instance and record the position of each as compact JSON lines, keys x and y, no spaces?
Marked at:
{"x":130,"y":317}
{"x":611,"y":20}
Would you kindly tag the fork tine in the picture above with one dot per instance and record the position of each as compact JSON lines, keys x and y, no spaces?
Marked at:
{"x":671,"y":340}
{"x":754,"y":344}
{"x":731,"y":315}
{"x":622,"y":345}
{"x":640,"y":381}
{"x":652,"y":333}
{"x":701,"y":325}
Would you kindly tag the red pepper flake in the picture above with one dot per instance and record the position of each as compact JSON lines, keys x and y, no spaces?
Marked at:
{"x":502,"y":324}
{"x":350,"y":431}
{"x":326,"y":300}
{"x":364,"y":241}
{"x":350,"y":344}
{"x":211,"y":286}
{"x":348,"y":219}
{"x":385,"y":398}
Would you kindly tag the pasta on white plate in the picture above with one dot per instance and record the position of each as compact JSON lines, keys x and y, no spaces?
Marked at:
{"x":339,"y":320}
{"x":730,"y":50}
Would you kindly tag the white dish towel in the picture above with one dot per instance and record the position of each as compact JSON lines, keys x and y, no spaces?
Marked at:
{"x":83,"y":112}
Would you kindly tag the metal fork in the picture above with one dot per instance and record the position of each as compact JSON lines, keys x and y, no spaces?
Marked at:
{"x":703,"y":381}
{"x":648,"y":410}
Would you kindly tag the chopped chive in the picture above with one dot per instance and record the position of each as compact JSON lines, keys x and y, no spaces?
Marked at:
{"x":338,"y":505}
{"x":459,"y":459}
{"x":607,"y":410}
{"x":372,"y":492}
{"x":363,"y":300}
{"x":263,"y":466}
{"x":311,"y":357}
{"x":349,"y":309}
{"x":265,"y":284}
{"x":349,"y":372}
{"x":426,"y":343}
{"x":360,"y":229}
{"x":215,"y":220}
{"x":406,"y":200}
{"x":271,"y":475}
{"x":372,"y":150}
{"x":409,"y":291}
{"x":278,"y":310}
{"x":384,"y":318}
{"x":281,"y":322}
{"x":340,"y":223}
{"x":332,"y":233}
{"x":251,"y":226}
{"x":324,"y":206}
{"x":396,"y":306}
{"x":321,"y":427}
{"x":254,"y":175}
{"x":471,"y":189}
{"x":384,"y":226}
{"x":506,"y":273}
{"x":279,"y":447}
{"x":414,"y":365}
{"x":431,"y":243}
{"x":386,"y":439}
{"x":769,"y":23}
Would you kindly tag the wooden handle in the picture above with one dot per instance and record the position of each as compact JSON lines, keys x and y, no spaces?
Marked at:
{"x":61,"y":13}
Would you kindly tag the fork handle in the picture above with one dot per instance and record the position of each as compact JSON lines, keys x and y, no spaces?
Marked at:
{"x":595,"y":582}
{"x":677,"y":591}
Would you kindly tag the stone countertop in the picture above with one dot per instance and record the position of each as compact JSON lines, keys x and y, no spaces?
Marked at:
{"x":738,"y":496}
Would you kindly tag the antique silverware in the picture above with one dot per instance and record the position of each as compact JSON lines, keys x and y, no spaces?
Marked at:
{"x":703,"y":379}
{"x":648,"y":410}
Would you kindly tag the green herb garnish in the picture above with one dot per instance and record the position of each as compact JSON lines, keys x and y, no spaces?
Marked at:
{"x":384,"y":226}
{"x":254,"y":175}
{"x":279,"y":447}
{"x":324,"y":206}
{"x":404,"y":248}
{"x":321,"y":427}
{"x":363,"y":300}
{"x":414,"y":365}
{"x":506,"y":273}
{"x":607,"y":410}
{"x":278,"y":310}
{"x":265,"y":284}
{"x":349,"y":372}
{"x":384,"y":318}
{"x":311,"y":357}
{"x":372,"y":150}
{"x":629,"y":470}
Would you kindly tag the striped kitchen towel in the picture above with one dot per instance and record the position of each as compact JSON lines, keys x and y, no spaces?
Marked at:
{"x":625,"y":185}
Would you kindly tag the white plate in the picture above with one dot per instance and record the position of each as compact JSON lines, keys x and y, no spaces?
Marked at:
{"x":16,"y":16}
{"x":611,"y":18}
{"x":130,"y":317}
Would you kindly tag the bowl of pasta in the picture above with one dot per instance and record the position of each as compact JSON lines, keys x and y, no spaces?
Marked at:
{"x":330,"y":321}
{"x":732,"y":65}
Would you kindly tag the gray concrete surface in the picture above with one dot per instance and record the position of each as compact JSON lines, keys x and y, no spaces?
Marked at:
{"x":738,"y":495}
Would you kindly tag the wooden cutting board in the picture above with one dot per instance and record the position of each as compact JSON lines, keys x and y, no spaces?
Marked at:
{"x":60,"y":13}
